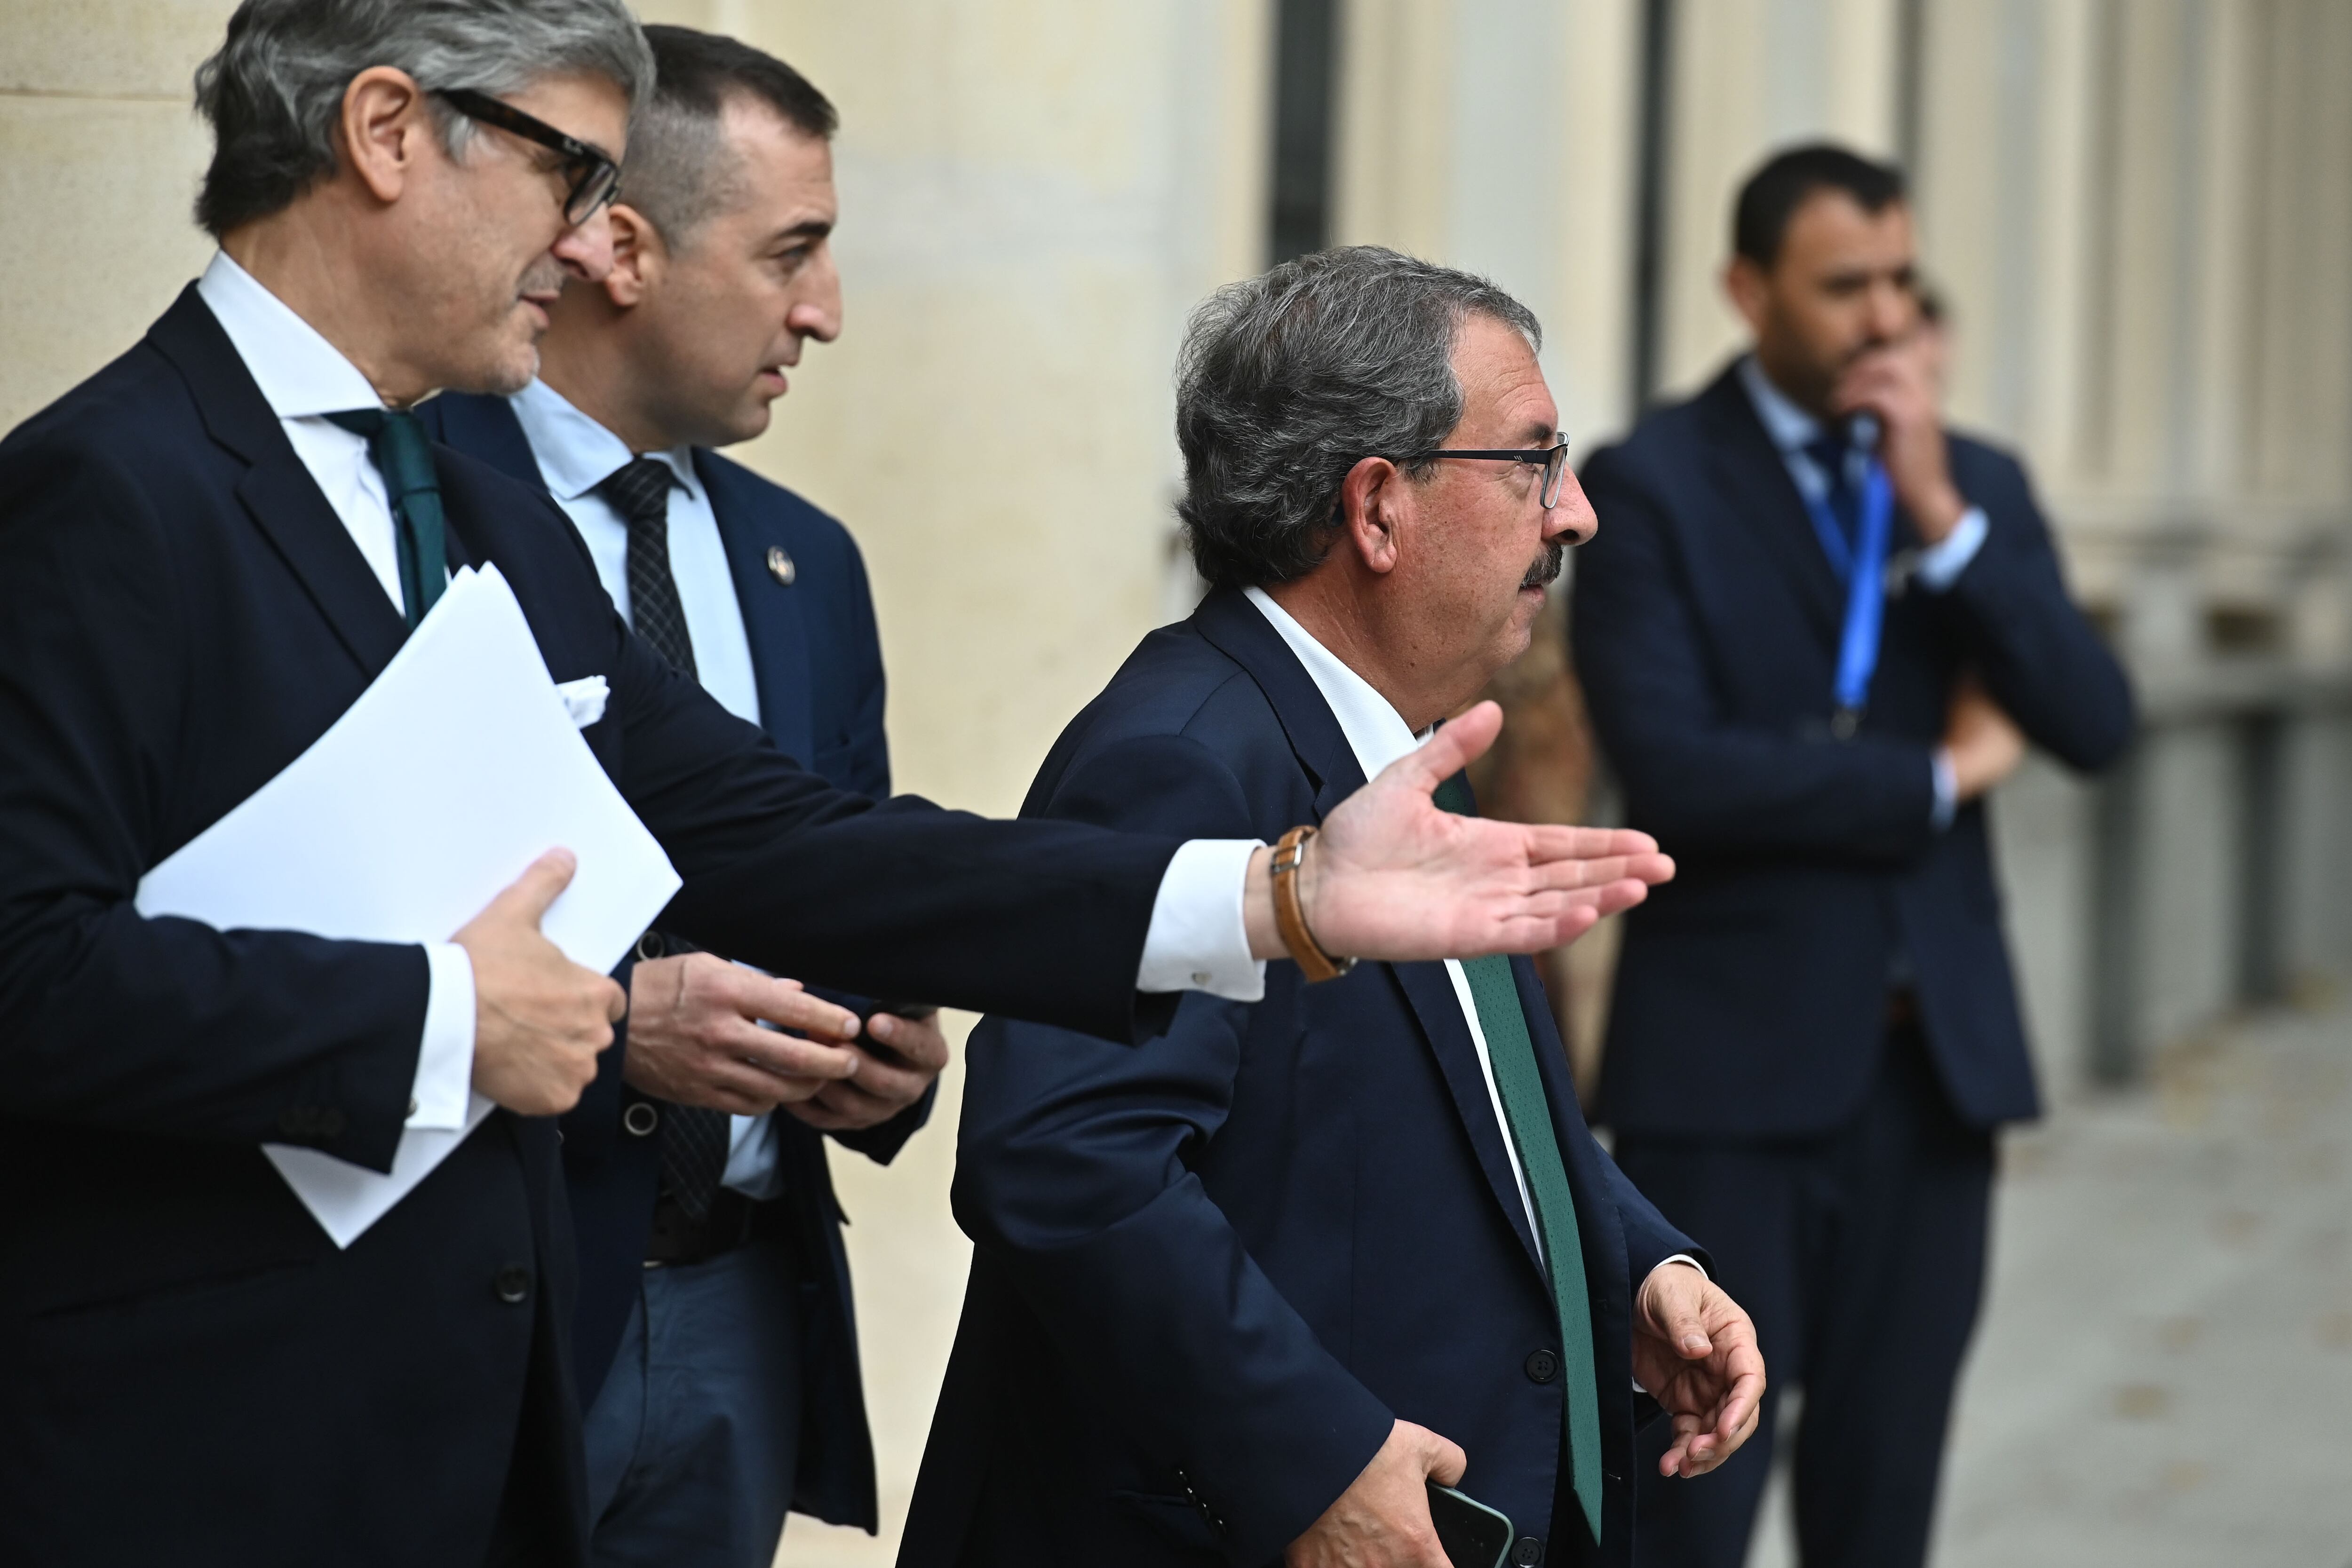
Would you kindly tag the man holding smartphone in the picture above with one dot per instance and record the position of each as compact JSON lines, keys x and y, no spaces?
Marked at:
{"x":715,"y":1345}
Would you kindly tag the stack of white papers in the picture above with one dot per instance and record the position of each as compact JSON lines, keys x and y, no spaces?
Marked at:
{"x":454,"y":771}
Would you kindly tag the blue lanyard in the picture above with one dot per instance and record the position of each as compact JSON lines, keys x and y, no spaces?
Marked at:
{"x":1865,"y":594}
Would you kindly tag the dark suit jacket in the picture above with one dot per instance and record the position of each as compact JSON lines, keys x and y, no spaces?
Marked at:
{"x":1223,"y":1264}
{"x":189,"y":1370}
{"x":818,"y":664}
{"x":1751,"y":995}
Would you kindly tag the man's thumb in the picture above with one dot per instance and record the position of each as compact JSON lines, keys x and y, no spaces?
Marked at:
{"x":538,"y":885}
{"x":1446,"y":1459}
{"x":1459,"y":743}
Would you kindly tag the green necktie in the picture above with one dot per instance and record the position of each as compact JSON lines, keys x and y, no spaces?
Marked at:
{"x":402,"y":454}
{"x":1512,"y":1055}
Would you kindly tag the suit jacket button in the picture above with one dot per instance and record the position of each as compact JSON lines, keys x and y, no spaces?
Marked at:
{"x":641,"y":1118}
{"x":513,"y":1284}
{"x":781,"y":567}
{"x":1542,"y":1367}
{"x":1527,"y":1551}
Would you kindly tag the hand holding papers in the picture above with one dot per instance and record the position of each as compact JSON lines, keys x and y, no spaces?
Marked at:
{"x":464,"y":733}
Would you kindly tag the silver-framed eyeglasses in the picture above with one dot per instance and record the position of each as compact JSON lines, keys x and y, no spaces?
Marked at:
{"x":1552,"y":460}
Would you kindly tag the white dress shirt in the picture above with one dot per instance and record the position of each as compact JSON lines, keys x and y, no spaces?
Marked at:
{"x":304,"y":378}
{"x":1197,"y":939}
{"x":1935,"y":569}
{"x":575,"y":454}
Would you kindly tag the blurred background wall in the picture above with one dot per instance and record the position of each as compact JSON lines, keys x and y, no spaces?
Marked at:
{"x":2140,"y":212}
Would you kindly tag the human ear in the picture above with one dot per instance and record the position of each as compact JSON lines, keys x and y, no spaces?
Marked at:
{"x":1751,"y":291}
{"x":384,"y":122}
{"x":638,"y":256}
{"x":1368,"y":501}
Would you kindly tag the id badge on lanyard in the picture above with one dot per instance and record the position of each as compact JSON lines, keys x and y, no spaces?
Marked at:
{"x":1865,"y":595}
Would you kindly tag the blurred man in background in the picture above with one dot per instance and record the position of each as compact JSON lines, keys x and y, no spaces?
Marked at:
{"x":1239,"y":1294}
{"x":1811,"y":631}
{"x":710,"y":1236}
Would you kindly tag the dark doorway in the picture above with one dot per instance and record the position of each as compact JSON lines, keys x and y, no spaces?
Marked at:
{"x":1307,"y":39}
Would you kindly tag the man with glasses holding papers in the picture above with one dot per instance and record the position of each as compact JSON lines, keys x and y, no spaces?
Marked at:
{"x":1811,"y":631}
{"x":207,"y":552}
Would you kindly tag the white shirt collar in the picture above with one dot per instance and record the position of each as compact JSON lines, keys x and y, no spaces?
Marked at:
{"x":576,"y":453}
{"x":300,"y":372}
{"x":1790,"y":427}
{"x":1376,"y":732}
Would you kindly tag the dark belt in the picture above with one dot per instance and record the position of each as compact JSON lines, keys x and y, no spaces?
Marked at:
{"x":678,"y":1239}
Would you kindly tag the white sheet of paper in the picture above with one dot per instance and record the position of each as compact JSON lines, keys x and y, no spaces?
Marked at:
{"x":455,"y":770}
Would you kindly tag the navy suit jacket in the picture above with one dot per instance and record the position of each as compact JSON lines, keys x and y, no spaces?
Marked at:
{"x":1208,"y":1273}
{"x":182,"y":614}
{"x":817,"y":661}
{"x":1751,"y":993}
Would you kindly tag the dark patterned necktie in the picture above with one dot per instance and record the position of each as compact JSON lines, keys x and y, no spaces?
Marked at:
{"x":693,"y":1140}
{"x":1518,"y":1083}
{"x":403,"y":455}
{"x":639,"y":490}
{"x":1829,"y":454}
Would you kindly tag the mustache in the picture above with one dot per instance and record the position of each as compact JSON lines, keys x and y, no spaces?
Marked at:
{"x":1546,"y":567}
{"x":543,"y":276}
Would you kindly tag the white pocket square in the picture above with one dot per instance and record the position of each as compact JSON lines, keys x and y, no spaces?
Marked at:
{"x":583,"y":699}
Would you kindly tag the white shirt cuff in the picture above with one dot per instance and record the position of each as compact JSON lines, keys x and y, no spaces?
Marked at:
{"x":445,"y":1059}
{"x":1940,"y":564}
{"x":1198,"y":940}
{"x":1947,"y":789}
{"x":1687,"y":1258}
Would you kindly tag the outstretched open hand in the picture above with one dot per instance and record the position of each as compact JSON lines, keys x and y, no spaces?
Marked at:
{"x":1694,"y":1350}
{"x":1391,"y":876}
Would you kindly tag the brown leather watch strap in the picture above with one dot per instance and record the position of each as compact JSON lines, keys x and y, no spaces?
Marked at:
{"x":1290,"y":916}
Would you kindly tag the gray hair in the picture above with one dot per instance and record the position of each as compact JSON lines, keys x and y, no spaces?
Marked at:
{"x":1286,"y":380}
{"x":275,"y":88}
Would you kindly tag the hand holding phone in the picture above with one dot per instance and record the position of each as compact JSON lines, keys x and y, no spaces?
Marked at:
{"x":1473,"y":1535}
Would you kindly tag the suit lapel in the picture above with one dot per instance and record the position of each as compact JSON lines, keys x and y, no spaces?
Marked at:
{"x":276,"y":491}
{"x":1228,"y":620}
{"x":1761,"y":502}
{"x":485,"y":427}
{"x":1234,"y":624}
{"x":1431,"y":991}
{"x":772,"y":620}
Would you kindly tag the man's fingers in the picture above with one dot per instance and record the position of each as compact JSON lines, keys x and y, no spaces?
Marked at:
{"x":784,"y":1002}
{"x":1574,"y":874}
{"x":1547,"y":841}
{"x":918,"y":1040}
{"x":616,"y":1000}
{"x":527,"y":897}
{"x":789,"y":1056}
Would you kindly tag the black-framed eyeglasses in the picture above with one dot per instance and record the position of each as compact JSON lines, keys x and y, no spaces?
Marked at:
{"x":1552,"y":460}
{"x":593,"y":176}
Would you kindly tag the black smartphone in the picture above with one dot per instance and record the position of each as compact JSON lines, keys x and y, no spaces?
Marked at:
{"x":1473,"y":1535}
{"x":875,"y":1047}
